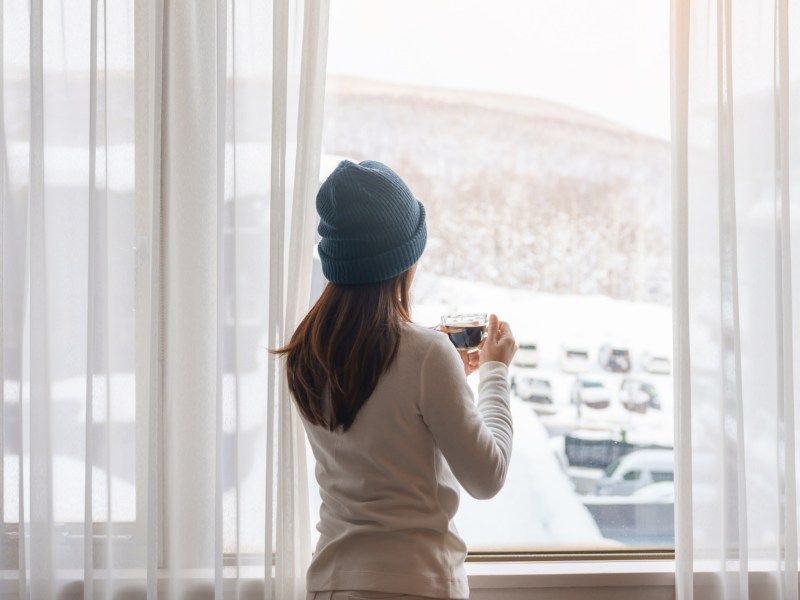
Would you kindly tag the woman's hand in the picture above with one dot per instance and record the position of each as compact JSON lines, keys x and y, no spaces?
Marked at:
{"x":499,"y":344}
{"x":471,"y":360}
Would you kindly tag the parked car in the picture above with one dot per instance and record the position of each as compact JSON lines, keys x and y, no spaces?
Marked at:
{"x":590,"y":392}
{"x":533,"y":389}
{"x":527,"y":355}
{"x":656,"y":363}
{"x":661,"y":492}
{"x":615,"y":357}
{"x":637,"y":395}
{"x":636,"y":470}
{"x":574,"y":358}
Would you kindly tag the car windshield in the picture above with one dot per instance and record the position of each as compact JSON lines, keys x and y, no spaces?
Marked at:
{"x":592,"y":384}
{"x":612,"y":467}
{"x":620,"y":353}
{"x":576,"y":354}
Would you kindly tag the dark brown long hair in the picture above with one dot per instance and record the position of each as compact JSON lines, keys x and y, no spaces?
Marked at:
{"x":345,"y":343}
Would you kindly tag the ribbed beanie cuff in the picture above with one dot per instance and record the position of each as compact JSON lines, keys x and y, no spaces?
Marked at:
{"x":378,"y":267}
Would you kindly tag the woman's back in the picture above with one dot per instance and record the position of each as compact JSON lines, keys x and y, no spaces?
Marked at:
{"x":388,"y":487}
{"x":386,"y":405}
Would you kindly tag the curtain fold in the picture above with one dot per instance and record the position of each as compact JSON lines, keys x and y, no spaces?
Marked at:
{"x":159,"y":166}
{"x":735,"y":123}
{"x":679,"y":67}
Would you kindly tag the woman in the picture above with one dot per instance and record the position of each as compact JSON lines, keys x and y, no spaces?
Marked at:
{"x":386,"y":404}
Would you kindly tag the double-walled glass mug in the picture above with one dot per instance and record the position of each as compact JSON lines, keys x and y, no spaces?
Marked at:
{"x":465,"y":330}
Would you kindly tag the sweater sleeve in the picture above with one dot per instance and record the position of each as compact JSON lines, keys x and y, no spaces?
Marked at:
{"x":475,"y":440}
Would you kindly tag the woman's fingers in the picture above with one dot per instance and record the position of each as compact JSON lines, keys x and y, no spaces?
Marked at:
{"x":504,"y":332}
{"x":471,"y":360}
{"x":500,"y":344}
{"x":491,"y":329}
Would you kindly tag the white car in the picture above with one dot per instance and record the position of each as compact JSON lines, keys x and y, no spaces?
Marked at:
{"x":636,"y":470}
{"x":662,"y":492}
{"x":533,"y":389}
{"x":656,"y":363}
{"x":638,"y":396}
{"x":527,"y":355}
{"x":574,"y":358}
{"x":591,"y":393}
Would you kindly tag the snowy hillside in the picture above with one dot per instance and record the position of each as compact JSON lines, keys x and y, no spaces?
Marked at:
{"x":519,"y":192}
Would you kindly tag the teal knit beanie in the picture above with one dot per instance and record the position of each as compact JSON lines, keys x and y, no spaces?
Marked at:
{"x":372,"y":227}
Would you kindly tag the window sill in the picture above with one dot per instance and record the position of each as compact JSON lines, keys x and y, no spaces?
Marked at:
{"x":585,"y":573}
{"x":494,"y":579}
{"x":490,"y":580}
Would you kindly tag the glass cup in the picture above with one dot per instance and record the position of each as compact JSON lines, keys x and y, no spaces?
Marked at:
{"x":466,"y":330}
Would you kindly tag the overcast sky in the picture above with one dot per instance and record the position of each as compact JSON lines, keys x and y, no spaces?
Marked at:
{"x":607,"y":57}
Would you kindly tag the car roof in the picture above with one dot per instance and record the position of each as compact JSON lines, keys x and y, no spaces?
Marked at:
{"x":531,"y":379}
{"x":616,"y":343}
{"x":577,"y":347}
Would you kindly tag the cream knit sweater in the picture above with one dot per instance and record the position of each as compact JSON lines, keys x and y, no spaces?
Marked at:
{"x":389,"y":485}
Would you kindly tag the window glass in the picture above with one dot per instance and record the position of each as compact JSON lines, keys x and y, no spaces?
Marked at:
{"x":536,"y":134}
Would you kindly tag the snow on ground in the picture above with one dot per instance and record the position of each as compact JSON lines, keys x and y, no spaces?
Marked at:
{"x":536,"y":507}
{"x":549,"y":319}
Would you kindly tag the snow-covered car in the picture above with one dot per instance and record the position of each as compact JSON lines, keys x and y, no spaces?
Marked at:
{"x":527,"y":354}
{"x":636,"y":470}
{"x":590,"y":392}
{"x":656,"y":363}
{"x":533,"y":389}
{"x":637,"y":395}
{"x":662,"y":492}
{"x":615,"y":357}
{"x":574,"y":358}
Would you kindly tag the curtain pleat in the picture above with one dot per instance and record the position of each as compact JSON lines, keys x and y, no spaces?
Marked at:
{"x":293,"y":510}
{"x":91,"y":346}
{"x":277,"y":220}
{"x":787,"y":486}
{"x":42,"y":573}
{"x":190,"y":291}
{"x":231,"y":276}
{"x":679,"y":59}
{"x":148,"y":147}
{"x":733,"y":482}
{"x":221,"y":138}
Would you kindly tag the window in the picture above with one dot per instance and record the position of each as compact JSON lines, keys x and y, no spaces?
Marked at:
{"x":632,"y":475}
{"x":536,"y":134}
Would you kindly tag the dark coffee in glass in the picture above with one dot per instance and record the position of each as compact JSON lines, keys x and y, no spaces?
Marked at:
{"x":466,"y":331}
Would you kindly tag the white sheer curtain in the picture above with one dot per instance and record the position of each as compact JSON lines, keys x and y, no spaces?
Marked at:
{"x":736,"y":186}
{"x":159,"y":161}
